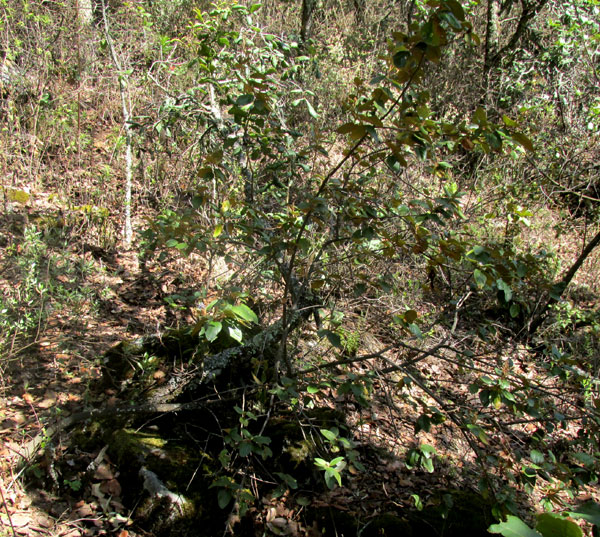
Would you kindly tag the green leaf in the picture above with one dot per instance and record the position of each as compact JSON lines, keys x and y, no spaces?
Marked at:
{"x":395,"y":163}
{"x":373,"y":133}
{"x":212,"y":329}
{"x":355,"y":131}
{"x":513,"y":527}
{"x":332,"y":337}
{"x":287,"y":479}
{"x":331,"y":476}
{"x":557,"y":290}
{"x":553,"y":525}
{"x":224,"y":497}
{"x":427,"y":465}
{"x":337,"y":462}
{"x":312,"y":389}
{"x":451,"y":20}
{"x":262,"y":440}
{"x":304,"y":244}
{"x":415,"y":330}
{"x":478,"y":432}
{"x":523,"y":140}
{"x":244,"y":312}
{"x":410,"y":316}
{"x":503,"y":286}
{"x":432,"y":33}
{"x":537,"y":457}
{"x":418,"y":502}
{"x":331,"y":435}
{"x":423,"y":423}
{"x":426,"y":448}
{"x":480,"y":116}
{"x":457,"y":9}
{"x":245,"y":449}
{"x":235,"y":333}
{"x":311,"y":110}
{"x":480,"y":278}
{"x":494,"y":139}
{"x":584,"y":458}
{"x":244,"y":100}
{"x":260,"y":107}
{"x":400,"y":58}
{"x":589,"y":511}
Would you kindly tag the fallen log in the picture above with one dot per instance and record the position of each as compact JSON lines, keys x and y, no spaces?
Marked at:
{"x":235,"y":362}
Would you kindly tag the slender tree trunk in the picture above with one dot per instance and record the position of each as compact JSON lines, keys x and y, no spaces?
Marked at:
{"x":126,"y":109}
{"x":308,"y":12}
{"x":85,"y":12}
{"x":492,"y":46}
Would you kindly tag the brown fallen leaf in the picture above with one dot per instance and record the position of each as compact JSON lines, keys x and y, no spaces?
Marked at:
{"x":20,"y":520}
{"x":279,"y":522}
{"x":84,"y":511}
{"x":48,"y":401}
{"x":102,"y":499}
{"x":22,"y":502}
{"x":117,"y":505}
{"x":103,"y":472}
{"x":18,"y":417}
{"x":280,"y":526}
{"x":42,"y":521}
{"x":111,"y":487}
{"x":271,"y":513}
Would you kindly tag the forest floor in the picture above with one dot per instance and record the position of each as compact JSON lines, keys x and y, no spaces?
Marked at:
{"x":56,"y":374}
{"x":53,"y":376}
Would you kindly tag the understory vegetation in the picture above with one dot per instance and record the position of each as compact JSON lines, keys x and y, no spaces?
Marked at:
{"x":300,"y":268}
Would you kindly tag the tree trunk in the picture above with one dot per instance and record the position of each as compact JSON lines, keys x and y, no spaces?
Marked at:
{"x":560,"y":286}
{"x":85,"y":12}
{"x":308,"y":11}
{"x":492,"y":46}
{"x":126,"y":108}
